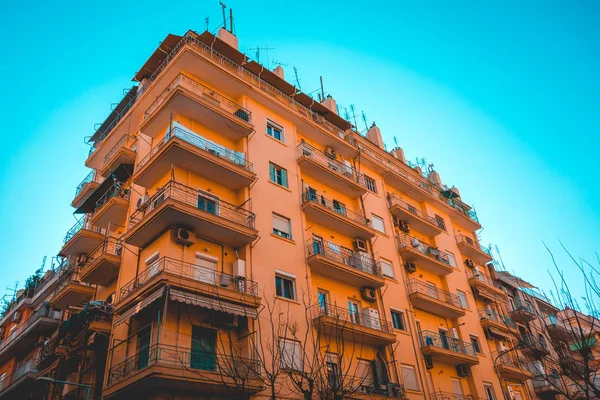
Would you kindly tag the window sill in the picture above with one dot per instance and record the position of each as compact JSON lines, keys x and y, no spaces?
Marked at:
{"x":276,"y":140}
{"x":282,"y":238}
{"x":288,"y":300}
{"x":413,"y":391}
{"x":402,"y":332}
{"x":279,"y":186}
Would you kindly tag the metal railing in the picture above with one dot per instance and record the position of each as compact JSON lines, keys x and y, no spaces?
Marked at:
{"x":126,"y":142}
{"x":43,"y":312}
{"x":394,"y":200}
{"x":492,"y":315}
{"x":458,"y":205}
{"x":451,"y":396}
{"x":509,"y":359}
{"x":89,"y":178}
{"x":82,"y":223}
{"x":345,"y":317}
{"x":209,"y":95}
{"x":191,"y":197}
{"x":474,"y":244}
{"x":28,"y":366}
{"x":202,"y":144}
{"x":406,"y":241}
{"x":28,"y":294}
{"x":335,"y":206}
{"x":190,"y":271}
{"x":345,"y":170}
{"x":418,"y":286}
{"x":534,"y":342}
{"x":434,"y":339}
{"x":110,"y":245}
{"x":479,"y":273}
{"x":546,"y":382}
{"x":521,"y":306}
{"x":362,"y":262}
{"x":116,"y":190}
{"x":184,"y":359}
{"x":104,"y":133}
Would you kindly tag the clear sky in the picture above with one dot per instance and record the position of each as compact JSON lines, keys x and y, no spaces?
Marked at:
{"x":501,"y":96}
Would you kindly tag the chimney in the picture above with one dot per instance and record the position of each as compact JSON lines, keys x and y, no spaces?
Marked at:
{"x":434,"y":178}
{"x":228,"y":38}
{"x":278,"y":71}
{"x":399,"y":154}
{"x":374,"y":136}
{"x":330,"y":104}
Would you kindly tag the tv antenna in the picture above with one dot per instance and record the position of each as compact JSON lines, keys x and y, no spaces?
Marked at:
{"x":223,"y":7}
{"x":258,"y":50}
{"x":364,"y":118}
{"x":297,"y":78}
{"x":207,"y":21}
{"x":353,"y":115}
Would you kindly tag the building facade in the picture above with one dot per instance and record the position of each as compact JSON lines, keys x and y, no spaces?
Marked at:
{"x":239,"y":239}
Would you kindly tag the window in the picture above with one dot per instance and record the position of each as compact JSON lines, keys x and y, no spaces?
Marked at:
{"x":489,"y":391}
{"x":333,"y":370}
{"x":282,"y":226}
{"x":278,"y":175}
{"x":323,"y":301}
{"x":291,"y":354}
{"x":275,"y":131}
{"x":285,"y":286}
{"x":365,"y":374}
{"x":377,"y":223}
{"x":440,"y":222}
{"x":409,"y":376}
{"x":208,"y":204}
{"x":398,"y":320}
{"x":476,"y":344}
{"x":387,"y":268}
{"x":354,"y":310}
{"x":462,"y":298}
{"x":370,"y":184}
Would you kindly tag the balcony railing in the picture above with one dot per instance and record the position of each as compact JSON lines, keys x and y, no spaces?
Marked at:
{"x":479,"y":274}
{"x":534,"y":342}
{"x":330,"y":162}
{"x":82,"y":223}
{"x":43,"y":312}
{"x":185,"y":359}
{"x":458,"y":205}
{"x":189,"y":271}
{"x":244,"y":74}
{"x":191,"y":197}
{"x":417,"y":286}
{"x":394,"y":200}
{"x":460,"y":238}
{"x":406,"y":241}
{"x":509,"y":359}
{"x":451,"y":396}
{"x":434,"y":339}
{"x":28,"y":294}
{"x":110,"y":245}
{"x":214,"y":98}
{"x":232,"y":156}
{"x":492,"y":315}
{"x":89,"y":178}
{"x":520,"y":305}
{"x":116,"y":190}
{"x":336,"y":207}
{"x":127,"y":142}
{"x":103,"y":133}
{"x":547,"y":382}
{"x":361,"y":262}
{"x":343,"y":316}
{"x":22,"y":370}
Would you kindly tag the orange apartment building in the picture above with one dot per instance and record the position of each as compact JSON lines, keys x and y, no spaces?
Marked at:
{"x":239,"y":239}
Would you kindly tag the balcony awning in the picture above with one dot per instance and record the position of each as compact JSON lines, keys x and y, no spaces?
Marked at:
{"x":122,"y":173}
{"x":212,"y":304}
{"x":163,"y":50}
{"x":497,"y":332}
{"x":139,"y":307}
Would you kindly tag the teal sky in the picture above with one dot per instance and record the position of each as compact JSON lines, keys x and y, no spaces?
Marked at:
{"x":503,"y":97}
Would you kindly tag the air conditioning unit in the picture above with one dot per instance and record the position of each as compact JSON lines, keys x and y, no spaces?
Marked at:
{"x":428,"y":362}
{"x":141,"y":203}
{"x":470,"y":263}
{"x":410,"y":267}
{"x":462,"y":370}
{"x":239,"y":268}
{"x":454,"y":333}
{"x":184,"y":237}
{"x":359,"y":245}
{"x":369,"y":294}
{"x":395,"y":390}
{"x":371,"y":318}
{"x":403,"y":226}
{"x":225,"y":280}
{"x":330,"y":152}
{"x":16,"y":317}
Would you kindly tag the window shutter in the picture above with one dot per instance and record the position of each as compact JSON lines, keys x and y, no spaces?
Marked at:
{"x":410,"y":378}
{"x":272,"y":173}
{"x":387,"y":268}
{"x":281,"y":224}
{"x":284,"y":181}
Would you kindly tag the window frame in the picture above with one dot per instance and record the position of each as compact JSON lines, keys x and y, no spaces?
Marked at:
{"x":277,"y":232}
{"x":280,"y":289}
{"x":486,"y":386}
{"x":275,"y":126}
{"x":277,"y":171}
{"x":283,"y":361}
{"x":401,"y":318}
{"x":391,"y":264}
{"x":460,"y":298}
{"x":375,"y":217}
{"x":411,"y":368}
{"x":370,"y":184}
{"x":475,"y":343}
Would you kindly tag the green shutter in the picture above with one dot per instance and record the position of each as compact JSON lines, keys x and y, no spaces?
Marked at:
{"x":284,"y":181}
{"x":272,"y":172}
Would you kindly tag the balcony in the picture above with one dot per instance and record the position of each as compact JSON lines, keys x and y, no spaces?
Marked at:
{"x":511,"y":366}
{"x":111,"y":207}
{"x":82,"y":238}
{"x":462,"y":214}
{"x":163,"y":367}
{"x":26,"y":334}
{"x":114,"y":118}
{"x":103,"y":263}
{"x":355,"y":327}
{"x":87,"y":186}
{"x":219,"y":291}
{"x":20,"y":383}
{"x":497,"y":325}
{"x":522,"y":312}
{"x":484,"y":285}
{"x":327,"y":169}
{"x":558,"y":330}
{"x":417,"y":219}
{"x":182,"y":206}
{"x":70,"y":291}
{"x":339,"y":264}
{"x":123,"y":152}
{"x":185,"y":149}
{"x":549,"y":385}
{"x":336,"y":216}
{"x":433,"y":300}
{"x":185,"y":95}
{"x":447,"y":350}
{"x":424,"y":256}
{"x":451,"y":396}
{"x":472,"y":249}
{"x":534,"y":346}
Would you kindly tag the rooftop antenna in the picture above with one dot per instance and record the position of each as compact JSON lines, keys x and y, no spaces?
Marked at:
{"x":231,"y":21}
{"x":206,"y":20}
{"x":322,"y":94}
{"x":223,"y":6}
{"x":364,"y":118}
{"x":353,"y":113}
{"x":297,"y":79}
{"x":258,"y":49}
{"x":277,"y":63}
{"x":396,"y":141}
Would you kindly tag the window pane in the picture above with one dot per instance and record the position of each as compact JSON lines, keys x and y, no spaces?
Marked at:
{"x":409,"y":377}
{"x":387,"y":268}
{"x":398,"y":320}
{"x":281,"y":226}
{"x":378,"y":223}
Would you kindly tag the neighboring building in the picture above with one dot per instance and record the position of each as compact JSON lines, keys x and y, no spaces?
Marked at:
{"x":242,"y":231}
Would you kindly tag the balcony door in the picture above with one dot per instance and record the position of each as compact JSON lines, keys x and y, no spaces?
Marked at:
{"x":354,"y":311}
{"x":324,"y":302}
{"x":208,"y":203}
{"x":143,"y":347}
{"x":444,"y":339}
{"x":205,"y":269}
{"x":203,"y":355}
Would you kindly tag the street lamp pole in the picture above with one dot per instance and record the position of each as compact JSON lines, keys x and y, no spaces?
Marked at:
{"x":87,"y":387}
